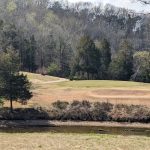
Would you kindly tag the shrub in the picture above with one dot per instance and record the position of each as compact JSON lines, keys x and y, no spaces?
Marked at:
{"x":141,"y":114}
{"x":53,"y":69}
{"x":78,"y":111}
{"x":120,"y":113}
{"x":132,"y":113}
{"x":1,"y":102}
{"x":101,"y":111}
{"x":23,"y":114}
{"x":82,"y":111}
{"x":75,"y":103}
{"x":60,"y":105}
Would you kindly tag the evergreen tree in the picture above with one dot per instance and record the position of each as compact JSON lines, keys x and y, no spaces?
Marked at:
{"x":9,"y":36}
{"x":141,"y":66}
{"x":13,"y":86}
{"x":121,"y":67}
{"x":27,"y":53}
{"x":31,"y":54}
{"x":105,"y":58}
{"x":87,"y":59}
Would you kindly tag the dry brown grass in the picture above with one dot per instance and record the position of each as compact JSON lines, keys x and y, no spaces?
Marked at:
{"x":61,"y":141}
{"x":48,"y":89}
{"x":140,"y":97}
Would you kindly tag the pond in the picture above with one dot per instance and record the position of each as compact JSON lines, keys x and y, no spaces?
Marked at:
{"x":80,"y":129}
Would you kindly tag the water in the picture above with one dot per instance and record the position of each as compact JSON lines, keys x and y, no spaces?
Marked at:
{"x":81,"y":129}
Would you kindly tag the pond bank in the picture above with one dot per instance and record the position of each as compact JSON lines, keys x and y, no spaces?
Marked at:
{"x":49,"y":123}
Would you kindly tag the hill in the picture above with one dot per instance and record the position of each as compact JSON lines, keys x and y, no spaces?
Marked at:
{"x":46,"y":33}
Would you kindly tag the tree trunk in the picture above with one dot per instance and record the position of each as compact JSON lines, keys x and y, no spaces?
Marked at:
{"x":88,"y":76}
{"x":11,"y":105}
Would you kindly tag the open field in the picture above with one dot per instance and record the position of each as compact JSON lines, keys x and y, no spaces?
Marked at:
{"x":62,"y":141}
{"x":48,"y":89}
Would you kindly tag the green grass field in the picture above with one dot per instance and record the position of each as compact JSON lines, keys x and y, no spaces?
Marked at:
{"x":102,"y":84}
{"x":86,"y":83}
{"x":61,"y":141}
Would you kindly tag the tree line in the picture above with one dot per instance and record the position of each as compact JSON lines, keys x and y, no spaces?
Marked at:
{"x":77,"y":41}
{"x":95,"y":61}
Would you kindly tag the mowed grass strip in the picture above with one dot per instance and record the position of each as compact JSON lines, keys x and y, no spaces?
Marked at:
{"x":103,"y":84}
{"x":61,"y":141}
{"x":85,"y":83}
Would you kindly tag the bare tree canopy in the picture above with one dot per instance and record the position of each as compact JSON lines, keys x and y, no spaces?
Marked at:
{"x":144,"y":1}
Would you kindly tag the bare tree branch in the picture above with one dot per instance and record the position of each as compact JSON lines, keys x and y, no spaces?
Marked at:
{"x":147,"y":2}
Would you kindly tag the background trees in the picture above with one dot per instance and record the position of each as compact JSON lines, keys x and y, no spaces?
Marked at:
{"x":105,"y":58}
{"x":122,"y":64}
{"x":46,"y":35}
{"x":141,"y":66}
{"x":87,"y":60}
{"x":144,"y":1}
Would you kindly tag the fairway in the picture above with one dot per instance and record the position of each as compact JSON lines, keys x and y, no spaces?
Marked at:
{"x":61,"y":141}
{"x":47,"y":89}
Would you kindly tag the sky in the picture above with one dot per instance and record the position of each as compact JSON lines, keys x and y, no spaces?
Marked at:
{"x":137,"y":6}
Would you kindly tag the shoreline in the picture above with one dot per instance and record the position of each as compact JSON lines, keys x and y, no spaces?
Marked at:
{"x":49,"y":123}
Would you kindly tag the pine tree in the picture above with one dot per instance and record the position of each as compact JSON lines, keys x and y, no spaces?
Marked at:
{"x":13,"y":86}
{"x":87,"y":59}
{"x":121,"y":67}
{"x":105,"y":58}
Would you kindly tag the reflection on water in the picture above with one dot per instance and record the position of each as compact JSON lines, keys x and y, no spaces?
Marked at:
{"x":81,"y":129}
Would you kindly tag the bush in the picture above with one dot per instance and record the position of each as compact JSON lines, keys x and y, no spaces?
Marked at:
{"x":82,"y":111}
{"x":1,"y":102}
{"x":79,"y":111}
{"x":23,"y":114}
{"x":101,"y":111}
{"x":60,"y":105}
{"x":132,"y":113}
{"x":84,"y":103}
{"x":53,"y":69}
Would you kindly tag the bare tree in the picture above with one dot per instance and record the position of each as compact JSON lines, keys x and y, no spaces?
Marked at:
{"x":147,"y":2}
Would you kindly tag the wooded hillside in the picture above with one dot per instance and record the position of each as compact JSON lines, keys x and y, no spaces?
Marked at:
{"x":52,"y":37}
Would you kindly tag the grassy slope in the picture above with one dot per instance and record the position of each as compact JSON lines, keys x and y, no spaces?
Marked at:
{"x":60,"y":141}
{"x":39,"y":77}
{"x":86,"y":83}
{"x":49,"y":89}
